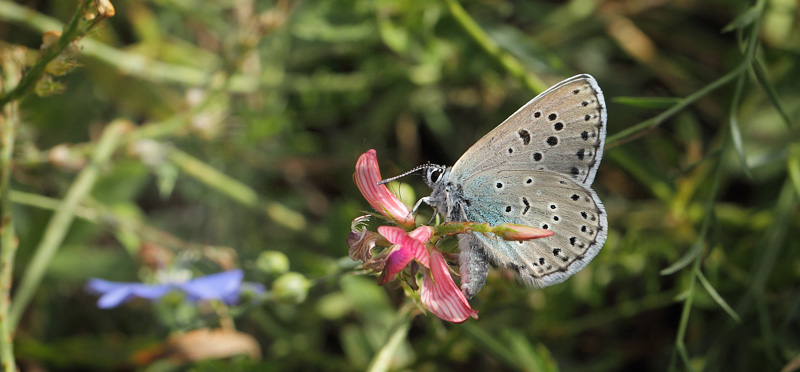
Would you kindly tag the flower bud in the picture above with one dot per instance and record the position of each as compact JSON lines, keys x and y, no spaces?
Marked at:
{"x":512,"y":231}
{"x":291,"y":288}
{"x":272,"y":262}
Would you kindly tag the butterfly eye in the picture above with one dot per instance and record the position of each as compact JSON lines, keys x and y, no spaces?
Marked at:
{"x":434,"y":175}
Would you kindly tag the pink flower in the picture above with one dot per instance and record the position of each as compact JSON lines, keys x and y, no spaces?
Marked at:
{"x":439,"y":292}
{"x":407,"y":247}
{"x":366,"y":177}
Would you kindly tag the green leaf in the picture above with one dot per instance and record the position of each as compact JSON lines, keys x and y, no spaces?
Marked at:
{"x":715,"y":295}
{"x":531,"y":358}
{"x":687,"y":258}
{"x":761,"y":76}
{"x":743,"y":20}
{"x":736,"y":134}
{"x":793,"y":165}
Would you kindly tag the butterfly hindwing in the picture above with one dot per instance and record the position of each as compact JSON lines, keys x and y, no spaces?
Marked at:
{"x":541,"y":199}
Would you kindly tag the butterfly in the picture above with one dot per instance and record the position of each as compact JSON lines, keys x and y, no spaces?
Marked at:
{"x":536,"y":168}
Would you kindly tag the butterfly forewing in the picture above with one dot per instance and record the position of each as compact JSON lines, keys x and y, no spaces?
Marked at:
{"x":561,"y":130}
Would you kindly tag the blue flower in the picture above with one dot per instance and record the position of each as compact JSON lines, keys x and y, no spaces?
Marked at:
{"x":224,"y":286}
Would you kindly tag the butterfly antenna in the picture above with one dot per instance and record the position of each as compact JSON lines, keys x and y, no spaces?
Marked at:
{"x":416,"y":169}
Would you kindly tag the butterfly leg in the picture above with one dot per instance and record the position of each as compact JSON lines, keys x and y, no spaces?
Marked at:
{"x":473,"y":264}
{"x":426,"y":200}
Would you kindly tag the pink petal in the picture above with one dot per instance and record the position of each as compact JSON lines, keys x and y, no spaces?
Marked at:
{"x":440,"y":294}
{"x":422,"y":234}
{"x":366,"y":177}
{"x":407,"y":247}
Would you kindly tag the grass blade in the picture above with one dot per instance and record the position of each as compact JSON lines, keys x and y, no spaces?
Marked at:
{"x":793,"y":168}
{"x":396,"y":335}
{"x":743,"y":20}
{"x":689,"y":256}
{"x":761,"y":76}
{"x":490,"y":344}
{"x":61,"y":220}
{"x":736,"y":134}
{"x":715,"y":295}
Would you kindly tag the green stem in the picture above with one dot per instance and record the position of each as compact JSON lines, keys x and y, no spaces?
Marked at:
{"x":382,"y":360}
{"x":8,"y":240}
{"x":71,"y":33}
{"x":749,"y":58}
{"x":59,"y":224}
{"x":508,"y":61}
{"x":127,"y":63}
{"x":236,"y":190}
{"x":97,"y":213}
{"x":657,"y":120}
{"x":490,"y":345}
{"x":680,"y":345}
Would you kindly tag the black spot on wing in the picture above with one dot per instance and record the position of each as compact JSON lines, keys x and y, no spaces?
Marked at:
{"x":525,"y":136}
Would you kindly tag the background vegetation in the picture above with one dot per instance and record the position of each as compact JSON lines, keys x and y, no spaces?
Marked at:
{"x":205,"y":133}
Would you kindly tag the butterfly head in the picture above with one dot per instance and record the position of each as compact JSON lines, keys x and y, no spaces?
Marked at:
{"x":435,"y":175}
{"x":436,"y":178}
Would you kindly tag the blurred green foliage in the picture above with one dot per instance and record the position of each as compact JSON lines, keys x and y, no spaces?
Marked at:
{"x":246,"y":118}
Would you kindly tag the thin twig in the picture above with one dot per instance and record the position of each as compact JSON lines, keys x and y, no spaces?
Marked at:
{"x":71,"y":33}
{"x":8,"y":239}
{"x":59,"y":224}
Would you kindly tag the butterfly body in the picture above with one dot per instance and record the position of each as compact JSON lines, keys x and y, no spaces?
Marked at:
{"x":534,"y":169}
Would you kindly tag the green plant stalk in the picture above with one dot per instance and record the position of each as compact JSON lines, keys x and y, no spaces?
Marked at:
{"x":507,"y":60}
{"x":71,"y":33}
{"x":680,"y":345}
{"x":127,"y":63}
{"x":793,"y":168}
{"x":623,"y":310}
{"x":97,"y":213}
{"x":749,"y":59}
{"x":659,"y":119}
{"x":696,"y":252}
{"x":490,"y":345}
{"x":8,"y":240}
{"x":696,"y":272}
{"x":717,"y":297}
{"x":235,"y":190}
{"x":61,"y":220}
{"x":43,"y":202}
{"x":382,"y":360}
{"x":761,"y":76}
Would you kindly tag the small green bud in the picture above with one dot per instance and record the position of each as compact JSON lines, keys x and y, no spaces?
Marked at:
{"x":291,"y":288}
{"x":272,"y":262}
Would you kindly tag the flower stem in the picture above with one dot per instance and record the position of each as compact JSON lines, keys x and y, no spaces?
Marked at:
{"x":71,"y":33}
{"x":59,"y":224}
{"x":236,"y":190}
{"x":507,"y":60}
{"x":8,"y":240}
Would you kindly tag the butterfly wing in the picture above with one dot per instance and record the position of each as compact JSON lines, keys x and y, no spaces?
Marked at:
{"x":536,"y":198}
{"x":561,"y":130}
